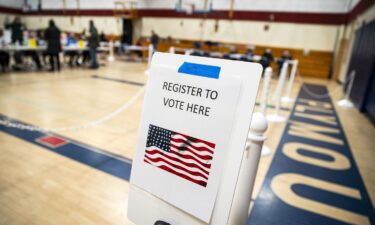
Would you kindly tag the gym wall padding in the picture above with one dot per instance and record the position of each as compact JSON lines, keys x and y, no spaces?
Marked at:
{"x":363,"y":63}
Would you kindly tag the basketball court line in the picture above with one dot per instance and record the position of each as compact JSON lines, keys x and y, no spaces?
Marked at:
{"x":110,"y":163}
{"x":313,"y":178}
{"x":118,"y":80}
{"x":272,"y":107}
{"x":43,"y":80}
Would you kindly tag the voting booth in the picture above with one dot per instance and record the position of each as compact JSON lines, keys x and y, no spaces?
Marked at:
{"x":191,"y":141}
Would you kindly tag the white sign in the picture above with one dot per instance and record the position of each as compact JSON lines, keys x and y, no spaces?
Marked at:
{"x":187,"y":127}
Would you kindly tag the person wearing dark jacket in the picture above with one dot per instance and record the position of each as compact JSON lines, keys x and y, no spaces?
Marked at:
{"x":154,"y":40}
{"x":93,"y":43}
{"x":17,"y":30}
{"x":103,"y":37}
{"x":52,"y":37}
{"x":4,"y":56}
{"x":267,"y":59}
{"x":284,"y":57}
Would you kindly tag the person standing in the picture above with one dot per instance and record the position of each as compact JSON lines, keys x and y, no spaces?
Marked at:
{"x":154,"y":40}
{"x":52,"y":37}
{"x":93,"y":43}
{"x":4,"y":56}
{"x":17,"y":29}
{"x":125,"y":41}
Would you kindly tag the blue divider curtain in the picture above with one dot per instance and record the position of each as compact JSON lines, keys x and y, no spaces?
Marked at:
{"x":363,"y":62}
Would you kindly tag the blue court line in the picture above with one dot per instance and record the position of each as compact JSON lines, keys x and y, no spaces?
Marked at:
{"x":102,"y":160}
{"x":118,"y":80}
{"x":270,"y":209}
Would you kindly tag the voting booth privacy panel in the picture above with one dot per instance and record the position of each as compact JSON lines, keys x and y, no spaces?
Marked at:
{"x":192,"y":135}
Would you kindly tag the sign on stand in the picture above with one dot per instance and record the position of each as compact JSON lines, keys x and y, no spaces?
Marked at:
{"x":194,"y":124}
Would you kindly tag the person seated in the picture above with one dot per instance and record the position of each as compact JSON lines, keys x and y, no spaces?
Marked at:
{"x":208,"y":44}
{"x":233,"y":54}
{"x":248,"y":57}
{"x":226,"y":56}
{"x":250,"y":50}
{"x":267,"y":58}
{"x":32,"y":51}
{"x":103,"y":37}
{"x":72,"y":54}
{"x":212,"y":46}
{"x":139,"y":43}
{"x":84,"y":56}
{"x":284,"y":57}
{"x":4,"y":56}
{"x":233,"y":50}
{"x":206,"y":54}
{"x":42,"y":42}
{"x":197,"y":49}
{"x":40,"y":37}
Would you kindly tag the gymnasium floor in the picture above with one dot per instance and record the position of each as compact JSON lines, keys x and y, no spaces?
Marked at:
{"x":81,"y":176}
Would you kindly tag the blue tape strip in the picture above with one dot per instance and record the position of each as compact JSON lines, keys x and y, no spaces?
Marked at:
{"x":200,"y":70}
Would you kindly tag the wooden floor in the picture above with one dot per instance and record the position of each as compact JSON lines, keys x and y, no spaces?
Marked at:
{"x":38,"y":186}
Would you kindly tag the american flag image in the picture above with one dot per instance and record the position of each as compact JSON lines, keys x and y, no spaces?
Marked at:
{"x":179,"y":154}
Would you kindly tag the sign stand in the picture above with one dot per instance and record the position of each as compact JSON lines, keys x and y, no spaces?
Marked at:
{"x":346,"y":103}
{"x":249,"y":167}
{"x":287,"y":98}
{"x":191,"y":165}
{"x":264,"y":101}
{"x":111,"y":56}
{"x":150,"y":53}
{"x":276,"y":117}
